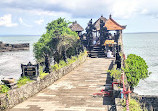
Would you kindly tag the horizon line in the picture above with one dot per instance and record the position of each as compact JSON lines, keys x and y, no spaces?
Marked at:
{"x":42,"y":34}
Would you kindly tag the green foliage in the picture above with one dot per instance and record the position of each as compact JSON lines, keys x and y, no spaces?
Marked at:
{"x":133,"y":105}
{"x":55,"y":67}
{"x":62,"y":63}
{"x":42,"y":74}
{"x":58,"y":38}
{"x":135,"y":69}
{"x":116,"y":73}
{"x":4,"y":89}
{"x":23,"y":81}
{"x":71,"y":60}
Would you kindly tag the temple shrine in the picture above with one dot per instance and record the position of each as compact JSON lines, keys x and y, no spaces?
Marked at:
{"x":102,"y":36}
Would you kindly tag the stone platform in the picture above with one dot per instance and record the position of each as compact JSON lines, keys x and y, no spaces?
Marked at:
{"x":74,"y":91}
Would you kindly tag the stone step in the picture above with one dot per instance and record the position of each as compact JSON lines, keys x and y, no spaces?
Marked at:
{"x":93,"y":51}
{"x":97,"y":54}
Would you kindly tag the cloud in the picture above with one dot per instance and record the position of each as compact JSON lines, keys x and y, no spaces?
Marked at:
{"x":23,"y":23}
{"x":122,"y":9}
{"x":6,"y":21}
{"x":39,"y":22}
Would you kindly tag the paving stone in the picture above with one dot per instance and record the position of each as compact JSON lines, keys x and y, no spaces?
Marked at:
{"x":74,"y":91}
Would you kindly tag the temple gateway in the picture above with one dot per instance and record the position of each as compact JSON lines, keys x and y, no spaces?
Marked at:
{"x":101,"y":37}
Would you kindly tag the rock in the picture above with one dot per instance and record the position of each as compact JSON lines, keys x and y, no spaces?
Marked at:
{"x":8,"y":81}
{"x":4,"y":47}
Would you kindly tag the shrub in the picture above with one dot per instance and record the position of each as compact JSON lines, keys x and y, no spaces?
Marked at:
{"x":23,"y":81}
{"x":74,"y":58}
{"x":71,"y":60}
{"x":42,"y":74}
{"x":133,"y":105}
{"x":62,"y":63}
{"x":57,"y":39}
{"x":4,"y":89}
{"x":55,"y":67}
{"x":135,"y":69}
{"x":116,"y":73}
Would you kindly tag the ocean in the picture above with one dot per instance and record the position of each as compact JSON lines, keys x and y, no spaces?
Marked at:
{"x":146,"y":46}
{"x":10,"y":62}
{"x":142,"y":44}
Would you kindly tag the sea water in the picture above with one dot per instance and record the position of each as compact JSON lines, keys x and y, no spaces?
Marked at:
{"x":146,"y":46}
{"x":142,"y":44}
{"x":10,"y":62}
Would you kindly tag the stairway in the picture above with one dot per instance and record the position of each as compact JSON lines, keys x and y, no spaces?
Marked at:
{"x":97,"y":52}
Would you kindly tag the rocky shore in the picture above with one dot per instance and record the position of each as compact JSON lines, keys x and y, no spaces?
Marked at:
{"x":5,"y":47}
{"x":148,"y":101}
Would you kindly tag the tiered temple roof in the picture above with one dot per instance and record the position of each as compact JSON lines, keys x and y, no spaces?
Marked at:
{"x":76,"y":27}
{"x":97,"y":23}
{"x":110,"y":24}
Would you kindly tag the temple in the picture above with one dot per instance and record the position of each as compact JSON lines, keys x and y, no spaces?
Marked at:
{"x":76,"y":27}
{"x":102,"y":36}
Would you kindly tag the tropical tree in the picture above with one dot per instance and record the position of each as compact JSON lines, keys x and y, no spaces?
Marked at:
{"x":59,"y":41}
{"x":135,"y":69}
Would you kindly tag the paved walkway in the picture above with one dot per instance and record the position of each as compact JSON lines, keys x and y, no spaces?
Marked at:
{"x":74,"y":91}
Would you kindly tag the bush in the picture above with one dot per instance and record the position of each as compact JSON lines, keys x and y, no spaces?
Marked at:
{"x":4,"y":89}
{"x":62,"y":63}
{"x":71,"y":60}
{"x":133,"y":105}
{"x":42,"y":74}
{"x":116,"y":73}
{"x":23,"y":81}
{"x":135,"y":69}
{"x":55,"y":67}
{"x":58,"y":38}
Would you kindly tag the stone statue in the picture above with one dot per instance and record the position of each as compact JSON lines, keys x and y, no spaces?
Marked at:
{"x":103,"y":31}
{"x":47,"y":64}
{"x":89,"y":34}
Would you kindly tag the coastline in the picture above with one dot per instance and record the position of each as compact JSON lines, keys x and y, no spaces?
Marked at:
{"x":6,"y":47}
{"x":148,"y":101}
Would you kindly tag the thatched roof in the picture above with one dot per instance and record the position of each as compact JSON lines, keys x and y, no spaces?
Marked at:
{"x":113,"y":25}
{"x":76,"y":27}
{"x":97,"y":23}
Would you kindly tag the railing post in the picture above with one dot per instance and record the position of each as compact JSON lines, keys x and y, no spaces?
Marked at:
{"x":129,"y":94}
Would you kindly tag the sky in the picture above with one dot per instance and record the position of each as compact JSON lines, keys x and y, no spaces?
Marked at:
{"x":30,"y":17}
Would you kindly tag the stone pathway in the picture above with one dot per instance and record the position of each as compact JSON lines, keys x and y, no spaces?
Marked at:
{"x":74,"y":92}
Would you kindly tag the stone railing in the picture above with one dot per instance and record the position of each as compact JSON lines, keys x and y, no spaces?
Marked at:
{"x":16,"y":96}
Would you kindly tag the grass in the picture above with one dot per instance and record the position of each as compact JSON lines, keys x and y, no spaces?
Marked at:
{"x":23,"y":80}
{"x":4,"y":89}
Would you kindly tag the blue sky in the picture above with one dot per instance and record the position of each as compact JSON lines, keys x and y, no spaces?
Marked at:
{"x":30,"y":17}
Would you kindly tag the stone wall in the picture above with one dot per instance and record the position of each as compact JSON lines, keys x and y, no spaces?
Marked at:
{"x":16,"y":96}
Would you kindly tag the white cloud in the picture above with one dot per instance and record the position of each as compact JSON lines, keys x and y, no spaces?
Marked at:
{"x":39,"y":22}
{"x":122,"y":9}
{"x":23,"y":23}
{"x":6,"y":20}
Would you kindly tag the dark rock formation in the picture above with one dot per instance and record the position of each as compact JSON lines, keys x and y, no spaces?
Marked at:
{"x":5,"y":47}
{"x":148,"y":101}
